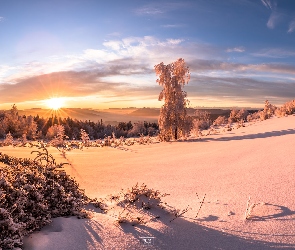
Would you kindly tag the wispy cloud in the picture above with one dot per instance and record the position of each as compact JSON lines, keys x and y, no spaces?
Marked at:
{"x":146,"y":50}
{"x":291,"y":26}
{"x":269,"y":4}
{"x":241,"y":89}
{"x":114,"y":34}
{"x":273,"y":20}
{"x":274,"y":53}
{"x":69,"y":83}
{"x":148,"y":11}
{"x":172,"y":26}
{"x":1,"y":18}
{"x":239,"y":49}
{"x":157,"y":9}
{"x":275,"y":16}
{"x":221,"y":67}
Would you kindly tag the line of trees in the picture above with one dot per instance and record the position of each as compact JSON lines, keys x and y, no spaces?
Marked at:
{"x":35,"y":127}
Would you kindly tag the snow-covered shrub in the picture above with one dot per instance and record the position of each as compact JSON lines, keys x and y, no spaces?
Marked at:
{"x":290,"y":107}
{"x":84,"y":137}
{"x":253,"y":117}
{"x":281,"y":112}
{"x":30,"y":195}
{"x":57,"y":135}
{"x":238,"y":115}
{"x":137,"y":129}
{"x":24,"y":139}
{"x":220,"y":120}
{"x":201,"y":119}
{"x":287,"y":109}
{"x":268,"y":110}
{"x":8,"y":139}
{"x":135,"y":203}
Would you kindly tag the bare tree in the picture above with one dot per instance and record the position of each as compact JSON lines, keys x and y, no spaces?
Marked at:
{"x":173,"y":122}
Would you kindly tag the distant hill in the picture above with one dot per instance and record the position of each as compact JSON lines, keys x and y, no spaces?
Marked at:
{"x":109,"y":116}
{"x":115,"y":115}
{"x":146,"y":112}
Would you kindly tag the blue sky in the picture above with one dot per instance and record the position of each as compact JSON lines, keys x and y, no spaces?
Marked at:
{"x":101,"y":54}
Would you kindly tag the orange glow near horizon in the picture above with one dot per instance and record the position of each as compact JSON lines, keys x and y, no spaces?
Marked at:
{"x":55,"y":103}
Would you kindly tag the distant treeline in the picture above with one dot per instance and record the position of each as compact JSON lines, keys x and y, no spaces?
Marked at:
{"x":35,"y":127}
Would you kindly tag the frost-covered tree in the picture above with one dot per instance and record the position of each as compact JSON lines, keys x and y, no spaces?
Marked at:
{"x":84,"y":137}
{"x":56,"y":131}
{"x":8,"y":139}
{"x":17,"y":125}
{"x":173,"y":115}
{"x":137,"y":129}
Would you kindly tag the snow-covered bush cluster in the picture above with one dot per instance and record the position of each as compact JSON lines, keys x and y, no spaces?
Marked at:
{"x":270,"y":110}
{"x":109,"y":141}
{"x":31,"y":194}
{"x":287,"y":109}
{"x":238,"y":115}
{"x":132,"y":204}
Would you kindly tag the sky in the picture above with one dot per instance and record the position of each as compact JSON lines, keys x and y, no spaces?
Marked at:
{"x":101,"y":54}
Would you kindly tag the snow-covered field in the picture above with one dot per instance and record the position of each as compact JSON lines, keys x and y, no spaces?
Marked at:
{"x":256,"y":161}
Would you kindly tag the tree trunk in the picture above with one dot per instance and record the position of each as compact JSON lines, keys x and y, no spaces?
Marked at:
{"x":175,"y":135}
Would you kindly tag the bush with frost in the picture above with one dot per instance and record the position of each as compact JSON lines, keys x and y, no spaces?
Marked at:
{"x":238,"y":115}
{"x":220,"y":120}
{"x":8,"y":140}
{"x":84,"y":137}
{"x":268,"y":110}
{"x":253,"y":117}
{"x":137,"y":129}
{"x":201,"y":119}
{"x":287,"y":108}
{"x":31,"y":194}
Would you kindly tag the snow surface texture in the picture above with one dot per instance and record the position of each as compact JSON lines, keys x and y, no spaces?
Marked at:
{"x":257,"y":161}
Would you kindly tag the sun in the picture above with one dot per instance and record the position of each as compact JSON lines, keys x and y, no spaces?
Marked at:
{"x":55,"y":103}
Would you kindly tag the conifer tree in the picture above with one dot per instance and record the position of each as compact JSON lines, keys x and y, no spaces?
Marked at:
{"x":173,"y":115}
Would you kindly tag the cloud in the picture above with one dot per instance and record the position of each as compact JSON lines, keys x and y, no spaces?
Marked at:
{"x":240,"y":89}
{"x":223,"y":68}
{"x":114,"y":34}
{"x":174,"y":41}
{"x":4,"y":69}
{"x":273,"y":20}
{"x":275,"y":16}
{"x":1,"y":18}
{"x":68,"y":83}
{"x":269,"y":4}
{"x":158,"y":9}
{"x":146,"y":51}
{"x":274,"y":53}
{"x":291,"y":26}
{"x":148,"y":11}
{"x":236,"y":49}
{"x":92,"y":79}
{"x":172,"y":26}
